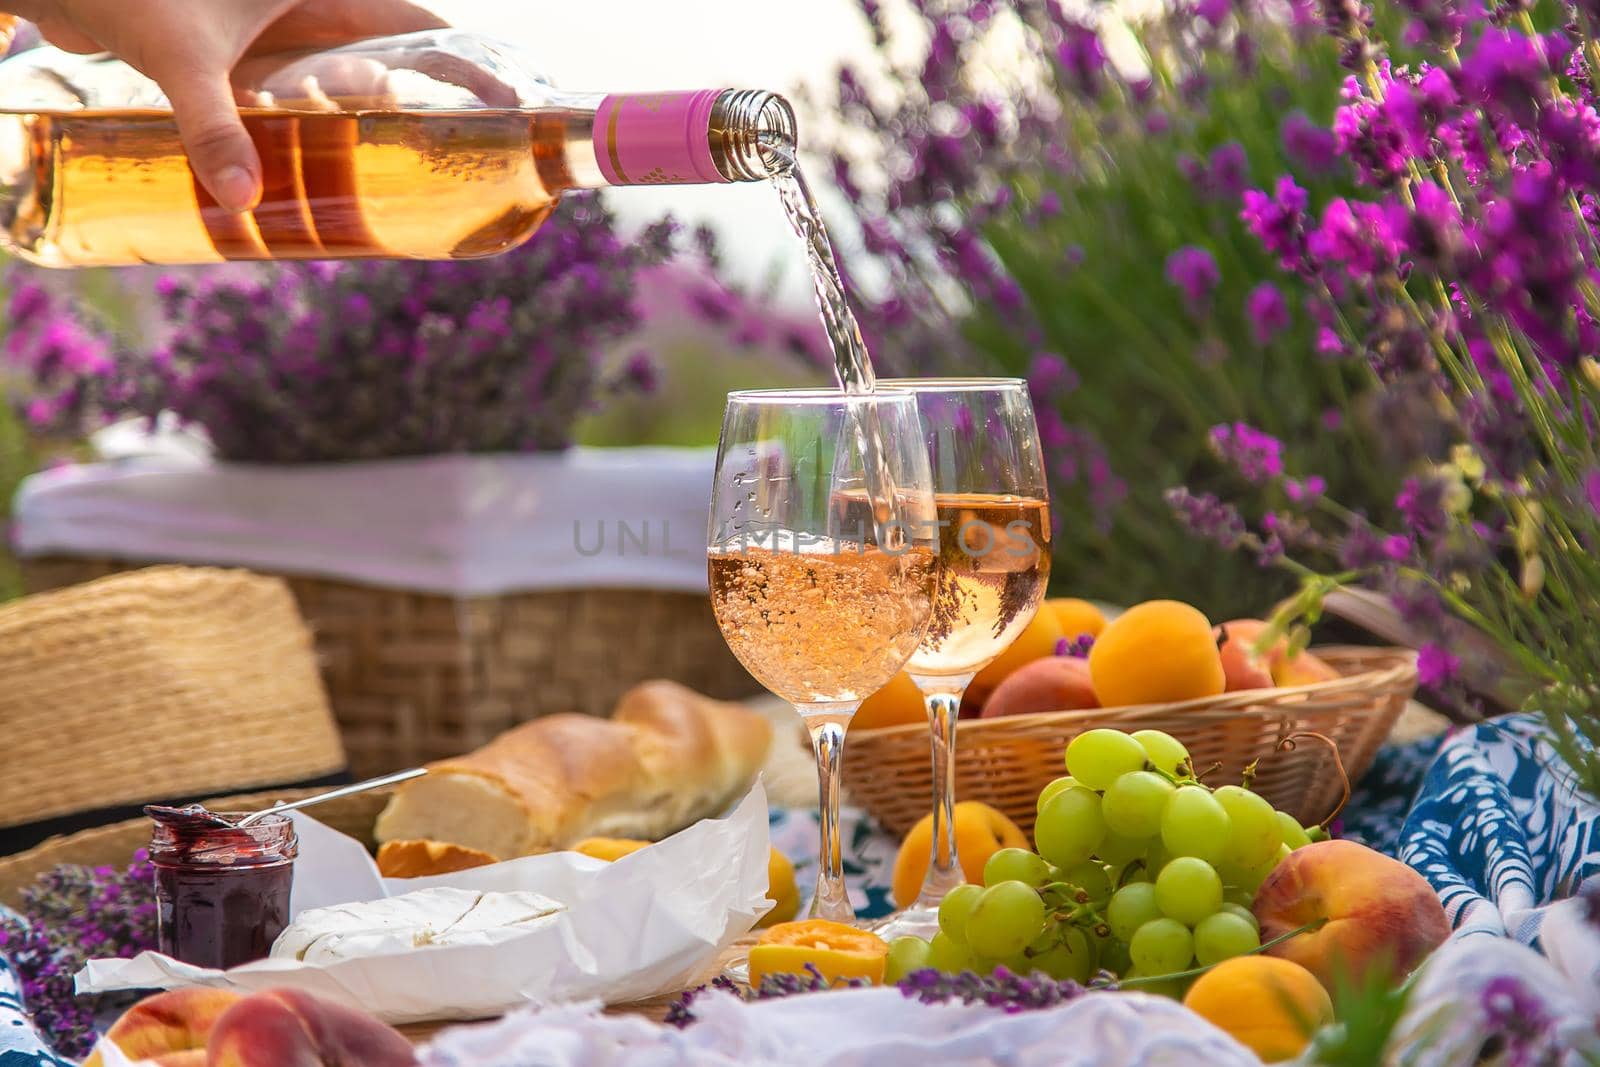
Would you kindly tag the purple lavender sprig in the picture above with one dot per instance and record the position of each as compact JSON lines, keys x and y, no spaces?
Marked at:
{"x":1002,"y":989}
{"x":70,"y":915}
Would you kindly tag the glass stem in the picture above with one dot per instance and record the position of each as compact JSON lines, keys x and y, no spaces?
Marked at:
{"x":831,"y":900}
{"x":944,"y":868}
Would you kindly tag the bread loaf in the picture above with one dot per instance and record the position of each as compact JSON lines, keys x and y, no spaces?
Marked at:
{"x":666,"y":758}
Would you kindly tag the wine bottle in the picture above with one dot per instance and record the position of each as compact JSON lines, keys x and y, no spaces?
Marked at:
{"x":434,"y":145}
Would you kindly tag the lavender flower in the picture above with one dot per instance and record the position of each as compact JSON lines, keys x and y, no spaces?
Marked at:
{"x":1436,"y":666}
{"x":1279,"y":220}
{"x":1258,"y":457}
{"x":1268,"y":312}
{"x":69,"y":915}
{"x":1208,"y":517}
{"x":316,"y":362}
{"x":1229,"y":171}
{"x":1313,"y":148}
{"x":1518,"y":1019}
{"x":1194,"y":271}
{"x":1075,"y":647}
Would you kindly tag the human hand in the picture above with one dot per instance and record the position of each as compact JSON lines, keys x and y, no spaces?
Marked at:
{"x":188,"y":47}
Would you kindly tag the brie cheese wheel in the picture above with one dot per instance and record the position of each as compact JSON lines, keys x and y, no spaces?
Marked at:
{"x":411,"y":921}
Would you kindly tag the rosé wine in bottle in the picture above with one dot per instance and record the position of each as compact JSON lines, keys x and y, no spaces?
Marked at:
{"x":435,"y":145}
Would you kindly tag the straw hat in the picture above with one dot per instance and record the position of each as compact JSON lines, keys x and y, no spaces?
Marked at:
{"x":161,"y":684}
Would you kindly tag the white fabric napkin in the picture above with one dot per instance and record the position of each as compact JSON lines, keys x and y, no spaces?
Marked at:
{"x":479,"y":525}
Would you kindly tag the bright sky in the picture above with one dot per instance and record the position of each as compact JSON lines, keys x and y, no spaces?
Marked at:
{"x":630,"y":45}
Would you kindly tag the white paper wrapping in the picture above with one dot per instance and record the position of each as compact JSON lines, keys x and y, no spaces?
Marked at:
{"x":481,"y":525}
{"x":853,"y":1028}
{"x":647,"y":924}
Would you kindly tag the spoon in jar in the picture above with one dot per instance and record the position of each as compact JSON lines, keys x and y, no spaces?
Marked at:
{"x":335,"y":794}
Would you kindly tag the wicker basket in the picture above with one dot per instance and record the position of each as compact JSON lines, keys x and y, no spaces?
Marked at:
{"x":1006,"y":762}
{"x":173,"y":682}
{"x":415,"y":677}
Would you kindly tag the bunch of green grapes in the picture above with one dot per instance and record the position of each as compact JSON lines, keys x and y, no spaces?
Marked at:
{"x":1139,"y":869}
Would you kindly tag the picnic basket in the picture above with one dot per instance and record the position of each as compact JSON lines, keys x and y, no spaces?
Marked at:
{"x":1005,"y":762}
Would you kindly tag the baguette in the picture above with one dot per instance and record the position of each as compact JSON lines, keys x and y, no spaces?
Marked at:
{"x":666,"y":758}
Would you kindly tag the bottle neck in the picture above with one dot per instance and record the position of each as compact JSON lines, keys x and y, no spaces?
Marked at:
{"x":697,"y":137}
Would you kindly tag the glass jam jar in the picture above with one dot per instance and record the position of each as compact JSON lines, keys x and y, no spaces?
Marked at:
{"x":222,"y":891}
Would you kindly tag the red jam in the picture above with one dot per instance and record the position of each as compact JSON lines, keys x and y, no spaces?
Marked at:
{"x":222,"y":891}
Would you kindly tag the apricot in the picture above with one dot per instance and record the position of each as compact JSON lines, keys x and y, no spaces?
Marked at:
{"x":609,"y":849}
{"x":981,"y":831}
{"x":178,"y":1020}
{"x":897,"y":704}
{"x":781,"y":890}
{"x":1271,"y":1006}
{"x":1077,"y":617}
{"x":278,"y":1027}
{"x":1242,"y":667}
{"x":1382,"y":916}
{"x":1037,"y":640}
{"x":1158,"y":652}
{"x":1057,"y":683}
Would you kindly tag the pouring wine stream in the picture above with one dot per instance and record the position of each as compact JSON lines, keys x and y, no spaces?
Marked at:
{"x":851,"y":362}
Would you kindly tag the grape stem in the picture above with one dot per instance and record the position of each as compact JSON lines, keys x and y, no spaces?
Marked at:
{"x":1288,"y":745}
{"x":1311,"y":927}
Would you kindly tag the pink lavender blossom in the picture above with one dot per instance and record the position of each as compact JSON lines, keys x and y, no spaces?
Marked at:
{"x":1436,"y":666}
{"x":1268,"y":312}
{"x":1313,"y":148}
{"x":1305,"y":490}
{"x":1194,"y":271}
{"x":1278,"y":220}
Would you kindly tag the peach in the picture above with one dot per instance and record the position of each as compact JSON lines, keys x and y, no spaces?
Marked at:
{"x":194,"y":1057}
{"x":981,"y":831}
{"x":1381,"y":915}
{"x":1241,"y":665}
{"x":178,"y":1020}
{"x":1304,"y":669}
{"x":290,"y":1028}
{"x":1058,"y":683}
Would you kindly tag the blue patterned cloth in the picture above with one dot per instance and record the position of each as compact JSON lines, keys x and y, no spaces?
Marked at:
{"x":1380,"y":802}
{"x":1501,"y":831}
{"x":20,"y":1045}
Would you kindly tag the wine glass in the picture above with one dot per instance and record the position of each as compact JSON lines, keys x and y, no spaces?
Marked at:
{"x":821,"y":554}
{"x":993,"y":511}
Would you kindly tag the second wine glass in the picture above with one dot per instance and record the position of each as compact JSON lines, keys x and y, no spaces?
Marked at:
{"x":993,"y":515}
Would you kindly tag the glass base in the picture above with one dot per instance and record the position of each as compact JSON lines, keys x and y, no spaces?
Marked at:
{"x":919,"y":920}
{"x":738,"y":969}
